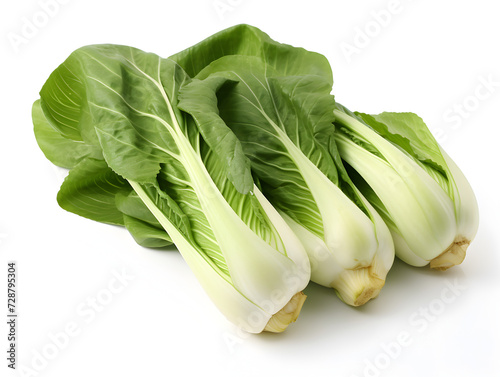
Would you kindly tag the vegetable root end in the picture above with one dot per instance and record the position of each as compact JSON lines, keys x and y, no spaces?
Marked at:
{"x":288,"y":314}
{"x":452,"y":256}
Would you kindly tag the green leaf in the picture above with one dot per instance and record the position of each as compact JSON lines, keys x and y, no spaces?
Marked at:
{"x":261,"y":111}
{"x":178,"y":200}
{"x":132,"y":111}
{"x":200,"y":101}
{"x":246,"y":206}
{"x":410,"y":133}
{"x":60,"y":150}
{"x":63,"y":101}
{"x":132,"y":100}
{"x":411,"y":199}
{"x":146,"y":234}
{"x":246,"y":40}
{"x":280,"y":87}
{"x":90,"y":189}
{"x":140,"y":222}
{"x":131,"y":205}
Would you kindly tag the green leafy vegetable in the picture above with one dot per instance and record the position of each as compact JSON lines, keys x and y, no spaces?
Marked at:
{"x":423,"y":196}
{"x":156,"y":168}
{"x":279,"y":107}
{"x":234,"y":151}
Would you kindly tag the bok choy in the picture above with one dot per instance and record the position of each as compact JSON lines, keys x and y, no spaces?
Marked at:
{"x":110,"y":114}
{"x":422,"y":195}
{"x":236,"y":151}
{"x":277,"y":101}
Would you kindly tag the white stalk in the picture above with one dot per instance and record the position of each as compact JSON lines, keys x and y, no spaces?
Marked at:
{"x":258,"y":273}
{"x":427,"y":223}
{"x":350,"y":242}
{"x":465,"y":204}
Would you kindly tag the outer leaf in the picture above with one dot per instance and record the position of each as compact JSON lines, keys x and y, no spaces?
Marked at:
{"x":409,"y":132}
{"x":109,"y":89}
{"x":89,"y":190}
{"x":420,"y":212}
{"x":311,"y":93}
{"x":92,"y":183}
{"x":60,"y":150}
{"x":140,"y":222}
{"x":131,"y":205}
{"x":132,"y":118}
{"x":63,"y":101}
{"x":246,"y":40}
{"x":145,"y":234}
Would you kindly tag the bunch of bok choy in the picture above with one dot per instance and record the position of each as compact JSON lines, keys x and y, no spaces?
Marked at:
{"x":236,"y":151}
{"x":110,"y":114}
{"x":280,"y":108}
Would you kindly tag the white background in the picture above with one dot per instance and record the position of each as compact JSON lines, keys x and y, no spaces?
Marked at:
{"x":427,"y":57}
